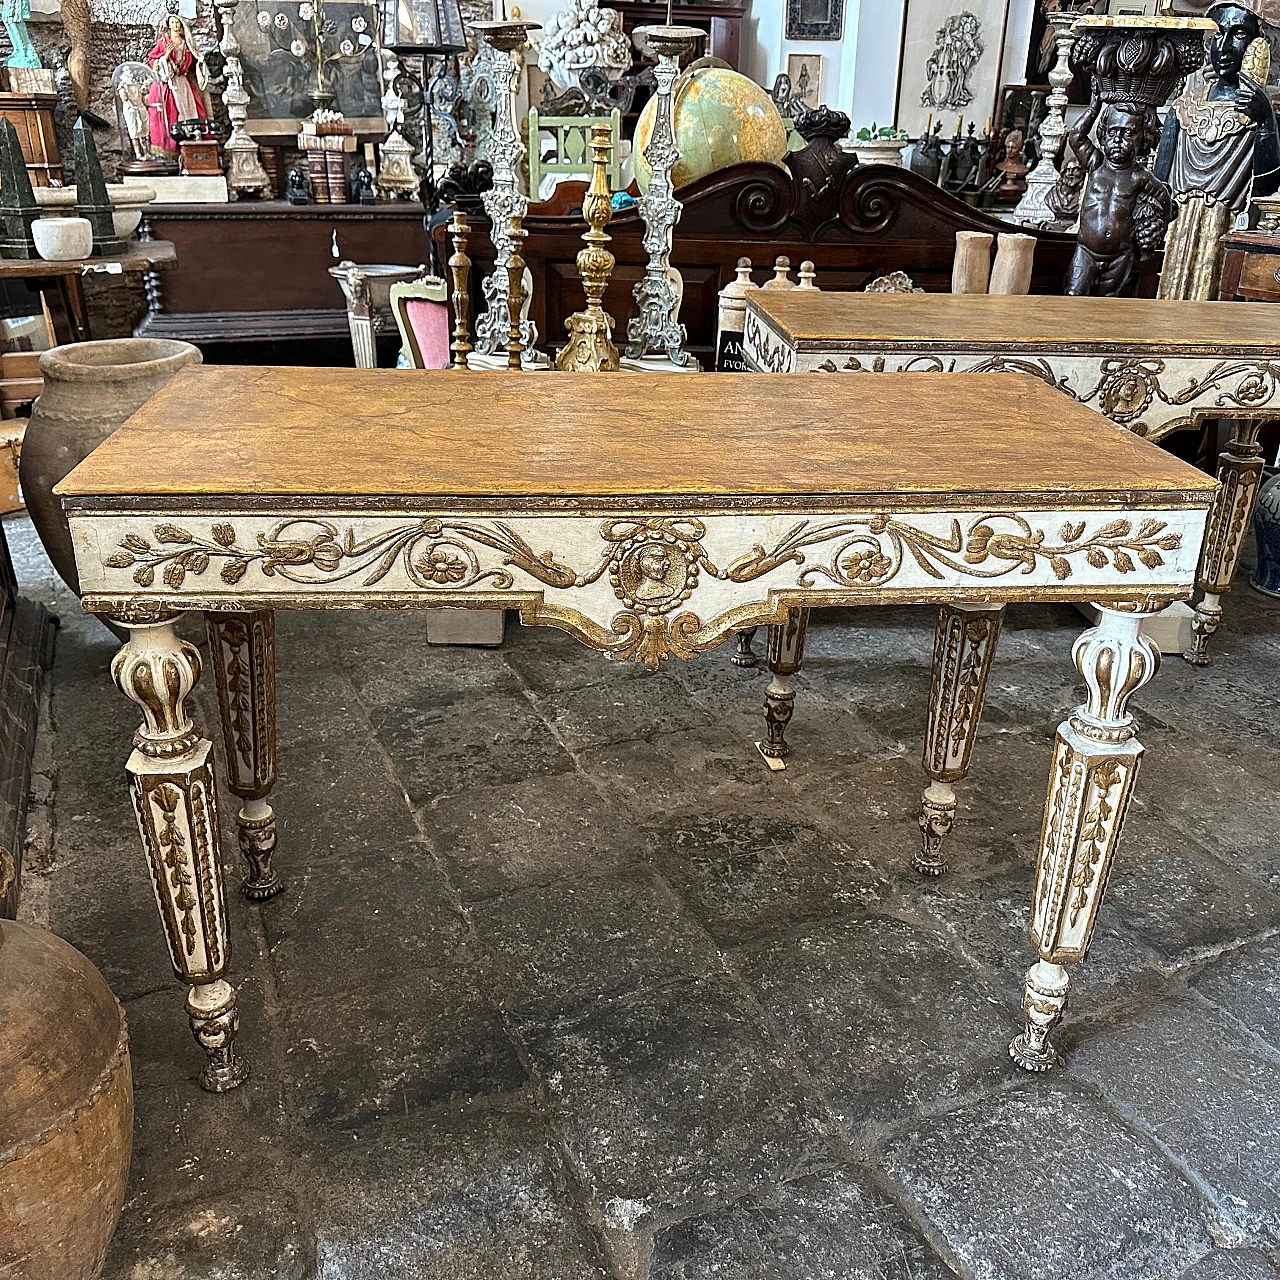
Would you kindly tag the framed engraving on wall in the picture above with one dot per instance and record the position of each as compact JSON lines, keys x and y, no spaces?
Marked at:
{"x":815,"y":19}
{"x":283,"y":42}
{"x":950,"y":65}
{"x":805,"y":70}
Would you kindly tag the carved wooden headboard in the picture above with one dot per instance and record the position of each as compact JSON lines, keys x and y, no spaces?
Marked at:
{"x":872,"y":220}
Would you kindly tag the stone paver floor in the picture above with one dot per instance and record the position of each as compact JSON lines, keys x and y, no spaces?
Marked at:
{"x":566,"y":984}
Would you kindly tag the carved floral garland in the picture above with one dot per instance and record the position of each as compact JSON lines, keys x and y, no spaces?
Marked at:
{"x":653,"y":563}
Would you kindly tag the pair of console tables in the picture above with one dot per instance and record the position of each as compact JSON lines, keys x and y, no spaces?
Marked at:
{"x":649,"y":516}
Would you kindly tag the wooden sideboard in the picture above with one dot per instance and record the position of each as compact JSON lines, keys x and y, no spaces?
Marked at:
{"x":252,"y":278}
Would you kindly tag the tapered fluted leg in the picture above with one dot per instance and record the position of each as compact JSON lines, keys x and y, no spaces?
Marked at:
{"x":244,"y":666}
{"x":963,"y":651}
{"x":786,"y":657}
{"x":1231,"y":518}
{"x":745,"y":655}
{"x":175,"y":800}
{"x":1095,"y":764}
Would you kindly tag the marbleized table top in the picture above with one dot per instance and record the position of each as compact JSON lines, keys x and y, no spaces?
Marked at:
{"x":243,"y":434}
{"x":811,"y":318}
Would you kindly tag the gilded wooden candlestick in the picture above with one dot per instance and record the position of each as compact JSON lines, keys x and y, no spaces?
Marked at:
{"x":590,"y":347}
{"x":460,"y":269}
{"x":515,"y":290}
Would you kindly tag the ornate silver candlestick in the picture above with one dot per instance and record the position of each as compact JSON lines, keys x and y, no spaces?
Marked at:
{"x":1033,"y":209}
{"x":657,"y":329}
{"x":244,"y":168}
{"x":504,"y":201}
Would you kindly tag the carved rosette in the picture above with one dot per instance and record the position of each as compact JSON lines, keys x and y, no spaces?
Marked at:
{"x":1095,"y":765}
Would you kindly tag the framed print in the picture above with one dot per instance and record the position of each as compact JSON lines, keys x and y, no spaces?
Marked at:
{"x":950,"y":64}
{"x":283,"y":42}
{"x":805,"y":71}
{"x":815,"y":19}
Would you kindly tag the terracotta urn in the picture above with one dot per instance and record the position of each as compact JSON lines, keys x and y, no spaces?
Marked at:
{"x":66,"y":1109}
{"x":90,"y":388}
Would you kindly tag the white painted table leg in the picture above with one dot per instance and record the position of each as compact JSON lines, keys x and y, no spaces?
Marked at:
{"x":1240,"y":471}
{"x":1095,"y":764}
{"x":786,"y":657}
{"x":244,"y":666}
{"x":175,"y":801}
{"x":963,"y":651}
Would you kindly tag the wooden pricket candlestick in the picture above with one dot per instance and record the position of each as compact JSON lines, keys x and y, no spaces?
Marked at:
{"x":460,"y":269}
{"x":590,"y":347}
{"x":515,"y":278}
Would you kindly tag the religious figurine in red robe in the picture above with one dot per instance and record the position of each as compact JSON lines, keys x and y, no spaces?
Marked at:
{"x":181,"y":80}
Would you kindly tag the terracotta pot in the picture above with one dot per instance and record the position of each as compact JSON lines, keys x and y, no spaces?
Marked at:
{"x":90,"y":388}
{"x":66,"y":1109}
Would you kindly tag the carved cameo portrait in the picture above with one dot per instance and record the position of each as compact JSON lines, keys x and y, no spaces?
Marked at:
{"x":653,"y":573}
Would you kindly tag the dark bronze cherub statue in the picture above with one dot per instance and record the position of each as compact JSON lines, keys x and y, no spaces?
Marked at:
{"x":1124,"y":209}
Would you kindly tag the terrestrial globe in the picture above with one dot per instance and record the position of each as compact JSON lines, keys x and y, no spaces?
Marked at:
{"x":721,"y":118}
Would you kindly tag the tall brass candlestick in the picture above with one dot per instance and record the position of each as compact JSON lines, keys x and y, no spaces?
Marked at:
{"x":460,"y":269}
{"x":515,"y":289}
{"x":590,"y":347}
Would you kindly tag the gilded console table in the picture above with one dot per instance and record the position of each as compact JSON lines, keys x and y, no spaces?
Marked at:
{"x":1152,"y":367}
{"x":651,"y":517}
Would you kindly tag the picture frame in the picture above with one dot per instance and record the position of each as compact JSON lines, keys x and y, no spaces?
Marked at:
{"x":280,"y":41}
{"x":1022,"y":106}
{"x":815,"y":20}
{"x":805,"y":73}
{"x":949,"y":66}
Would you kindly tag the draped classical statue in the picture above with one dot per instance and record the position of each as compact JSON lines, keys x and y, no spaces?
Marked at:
{"x":1221,"y":148}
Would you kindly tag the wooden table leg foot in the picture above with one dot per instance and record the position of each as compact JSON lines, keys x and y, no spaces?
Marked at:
{"x":1044,"y":1001}
{"x":964,"y":649}
{"x":175,"y":800}
{"x":786,"y":657}
{"x":1095,"y":765}
{"x":215,"y":1020}
{"x":256,"y":823}
{"x":937,"y":817}
{"x":244,"y":666}
{"x":1208,"y":616}
{"x":745,"y":656}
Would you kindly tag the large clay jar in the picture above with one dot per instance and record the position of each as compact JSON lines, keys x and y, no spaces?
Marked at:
{"x":90,"y":388}
{"x":66,"y":1109}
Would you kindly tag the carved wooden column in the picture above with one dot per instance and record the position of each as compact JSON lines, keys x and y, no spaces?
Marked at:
{"x":1240,"y":472}
{"x":175,"y":801}
{"x":786,"y":657}
{"x":244,"y":665}
{"x":1095,"y":763}
{"x":963,"y":651}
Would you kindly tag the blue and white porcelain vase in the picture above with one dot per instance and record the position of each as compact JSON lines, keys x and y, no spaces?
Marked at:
{"x":1266,"y":527}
